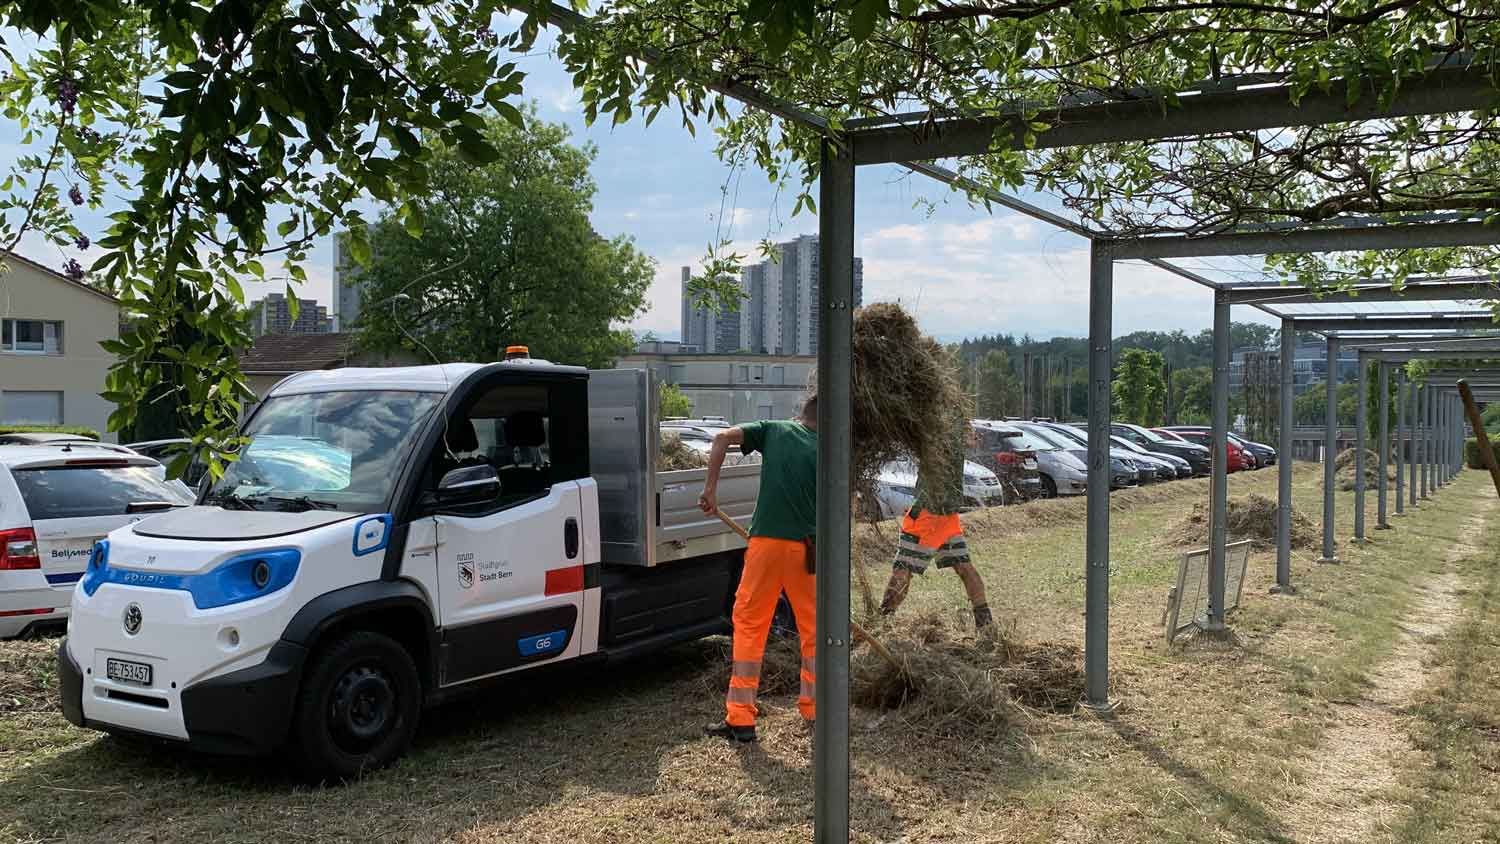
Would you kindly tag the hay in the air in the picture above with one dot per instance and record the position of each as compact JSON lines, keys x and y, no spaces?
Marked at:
{"x":907,"y":401}
{"x":1251,"y":517}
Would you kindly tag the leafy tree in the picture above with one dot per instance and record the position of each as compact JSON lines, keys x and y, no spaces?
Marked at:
{"x":217,"y":123}
{"x":1308,"y":408}
{"x":1491,"y":418}
{"x":999,"y":391}
{"x":1139,"y":387}
{"x":505,"y":255}
{"x":1192,"y":395}
{"x":673,"y":401}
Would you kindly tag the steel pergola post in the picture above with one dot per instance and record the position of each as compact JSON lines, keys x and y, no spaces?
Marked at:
{"x":835,"y":455}
{"x":1411,"y":427}
{"x":1219,"y":487}
{"x":1330,"y":447}
{"x":1096,"y":600}
{"x":1401,"y":443}
{"x":1424,"y":422}
{"x":1383,"y":384}
{"x":1359,"y":450}
{"x":1284,"y":461}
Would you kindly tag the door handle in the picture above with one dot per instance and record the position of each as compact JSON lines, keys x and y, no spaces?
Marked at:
{"x":570,"y":538}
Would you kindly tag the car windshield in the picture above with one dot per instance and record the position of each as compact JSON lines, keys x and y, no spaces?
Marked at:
{"x":336,"y":451}
{"x":1121,"y":442}
{"x":1052,"y":437}
{"x":68,"y":492}
{"x":1071,"y":433}
{"x":1025,"y":442}
{"x":1150,"y":435}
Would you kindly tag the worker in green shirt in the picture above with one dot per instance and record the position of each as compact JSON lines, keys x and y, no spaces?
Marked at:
{"x":778,"y":559}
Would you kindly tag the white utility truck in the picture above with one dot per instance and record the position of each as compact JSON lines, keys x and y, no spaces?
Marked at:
{"x":391,"y":537}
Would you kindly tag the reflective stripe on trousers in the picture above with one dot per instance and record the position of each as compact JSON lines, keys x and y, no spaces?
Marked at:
{"x":772,"y":566}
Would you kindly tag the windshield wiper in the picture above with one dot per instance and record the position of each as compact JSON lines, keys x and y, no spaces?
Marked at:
{"x":302,"y":503}
{"x":230,"y":501}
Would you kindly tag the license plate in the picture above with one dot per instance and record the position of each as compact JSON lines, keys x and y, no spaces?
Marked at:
{"x":125,"y":671}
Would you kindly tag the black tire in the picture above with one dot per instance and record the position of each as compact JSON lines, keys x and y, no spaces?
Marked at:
{"x":1049,"y":487}
{"x":358,"y":707}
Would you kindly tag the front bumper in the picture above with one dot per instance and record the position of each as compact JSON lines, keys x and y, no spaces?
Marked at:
{"x":245,"y":712}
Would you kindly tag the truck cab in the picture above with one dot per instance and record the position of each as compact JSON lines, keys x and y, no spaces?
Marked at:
{"x":388,"y":538}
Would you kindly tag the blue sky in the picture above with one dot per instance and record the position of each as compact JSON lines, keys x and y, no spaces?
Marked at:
{"x":963,"y":271}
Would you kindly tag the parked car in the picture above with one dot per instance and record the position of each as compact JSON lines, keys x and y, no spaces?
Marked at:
{"x":1264,"y":455}
{"x":1238,"y":457}
{"x":1124,"y":471}
{"x":1168,"y":468}
{"x":1064,"y":472}
{"x":896,"y":487}
{"x":1152,"y":468}
{"x":56,"y":501}
{"x":165,"y":451}
{"x":1196,"y":455}
{"x":1011,"y":455}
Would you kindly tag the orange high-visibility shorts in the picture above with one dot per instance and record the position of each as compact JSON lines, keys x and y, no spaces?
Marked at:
{"x":928,"y":538}
{"x":772,"y":566}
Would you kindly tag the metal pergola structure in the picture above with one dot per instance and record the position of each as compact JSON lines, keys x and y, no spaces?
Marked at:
{"x":918,"y":142}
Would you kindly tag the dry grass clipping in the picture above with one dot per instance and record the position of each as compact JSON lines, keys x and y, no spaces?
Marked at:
{"x":907,"y":402}
{"x":952,"y":683}
{"x":1344,"y":472}
{"x":674,"y":455}
{"x":28,"y":676}
{"x":1251,"y":517}
{"x":956,"y":684}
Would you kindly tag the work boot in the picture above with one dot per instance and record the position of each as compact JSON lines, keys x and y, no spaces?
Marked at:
{"x":726,"y":730}
{"x":982,"y":617}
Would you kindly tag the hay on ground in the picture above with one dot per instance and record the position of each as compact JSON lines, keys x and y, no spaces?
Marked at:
{"x":1251,"y":517}
{"x":954,"y":683}
{"x":1344,"y":473}
{"x":28,"y":676}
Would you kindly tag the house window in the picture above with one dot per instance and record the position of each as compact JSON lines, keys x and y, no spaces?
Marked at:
{"x":744,"y":373}
{"x":677,"y":373}
{"x":31,"y":407}
{"x":778,"y":375}
{"x":30,"y":337}
{"x":760,"y":373}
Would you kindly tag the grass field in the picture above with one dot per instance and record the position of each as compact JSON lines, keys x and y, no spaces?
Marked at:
{"x":1359,"y":709}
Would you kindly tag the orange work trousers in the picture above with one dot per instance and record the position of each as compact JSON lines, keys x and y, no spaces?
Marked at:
{"x":772,"y":566}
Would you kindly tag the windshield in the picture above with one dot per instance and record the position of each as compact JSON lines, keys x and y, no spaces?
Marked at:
{"x":68,"y":492}
{"x":1121,"y":442}
{"x":1070,"y":433}
{"x":1150,"y":435}
{"x":337,"y":451}
{"x":1051,"y":437}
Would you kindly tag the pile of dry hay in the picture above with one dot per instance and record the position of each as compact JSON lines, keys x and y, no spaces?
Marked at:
{"x":1251,"y":517}
{"x":674,"y":454}
{"x":28,"y":676}
{"x":1343,"y":467}
{"x":951,"y":683}
{"x":907,"y":401}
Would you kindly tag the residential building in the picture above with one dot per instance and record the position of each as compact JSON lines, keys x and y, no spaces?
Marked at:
{"x":273,"y":315}
{"x":738,"y":387}
{"x":778,"y":312}
{"x":51,"y":367}
{"x":275,"y":356}
{"x":348,"y":288}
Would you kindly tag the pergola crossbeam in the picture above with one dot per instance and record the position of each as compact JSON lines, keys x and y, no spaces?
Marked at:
{"x":1169,"y":115}
{"x":1414,"y":291}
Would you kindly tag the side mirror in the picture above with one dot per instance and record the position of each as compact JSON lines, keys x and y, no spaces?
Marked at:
{"x":468,"y":485}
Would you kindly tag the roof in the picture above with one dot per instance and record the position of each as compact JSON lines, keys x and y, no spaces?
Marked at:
{"x":285,"y":353}
{"x":54,"y":453}
{"x":428,"y":379}
{"x":55,"y":275}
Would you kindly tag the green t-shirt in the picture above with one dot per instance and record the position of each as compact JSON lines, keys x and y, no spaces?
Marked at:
{"x":942,"y":493}
{"x":787,"y":505}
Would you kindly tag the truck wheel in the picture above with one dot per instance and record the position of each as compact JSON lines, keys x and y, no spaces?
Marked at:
{"x":358,"y":706}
